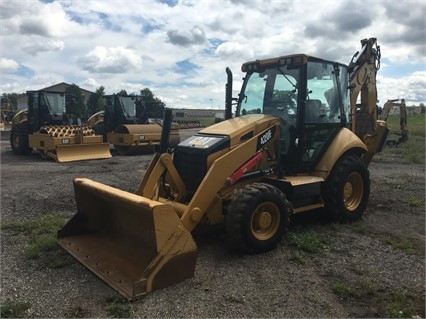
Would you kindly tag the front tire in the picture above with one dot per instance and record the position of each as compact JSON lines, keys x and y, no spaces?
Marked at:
{"x":19,"y":139}
{"x":257,"y":218}
{"x":347,"y":190}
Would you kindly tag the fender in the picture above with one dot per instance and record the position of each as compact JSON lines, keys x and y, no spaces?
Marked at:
{"x":96,"y":118}
{"x":345,"y":141}
{"x":19,"y":117}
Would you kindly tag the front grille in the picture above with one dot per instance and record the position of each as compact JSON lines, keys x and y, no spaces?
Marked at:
{"x":190,"y":158}
{"x":191,"y":165}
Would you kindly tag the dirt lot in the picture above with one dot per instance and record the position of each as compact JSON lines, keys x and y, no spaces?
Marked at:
{"x":371,"y":268}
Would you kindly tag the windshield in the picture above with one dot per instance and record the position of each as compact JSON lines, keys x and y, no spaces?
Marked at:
{"x":270,"y":92}
{"x":55,"y":103}
{"x":322,"y":101}
{"x":128,"y":105}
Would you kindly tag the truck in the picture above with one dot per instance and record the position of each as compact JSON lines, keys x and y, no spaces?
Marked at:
{"x":124,"y":123}
{"x":294,"y":140}
{"x":45,"y":126}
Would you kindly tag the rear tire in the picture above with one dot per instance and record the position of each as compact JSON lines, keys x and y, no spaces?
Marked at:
{"x":347,"y":190}
{"x":257,"y":218}
{"x":19,"y":139}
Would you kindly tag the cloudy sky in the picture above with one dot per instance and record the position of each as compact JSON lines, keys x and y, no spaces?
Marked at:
{"x":180,"y":48}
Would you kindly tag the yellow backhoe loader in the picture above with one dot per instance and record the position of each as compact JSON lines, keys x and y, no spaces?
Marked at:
{"x":403,"y":134}
{"x":297,"y":142}
{"x":45,"y":127}
{"x":125,"y":124}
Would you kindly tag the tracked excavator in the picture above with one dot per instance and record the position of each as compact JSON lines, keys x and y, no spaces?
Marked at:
{"x":125,"y":124}
{"x":46,"y":127}
{"x":403,"y":134}
{"x":298,"y":141}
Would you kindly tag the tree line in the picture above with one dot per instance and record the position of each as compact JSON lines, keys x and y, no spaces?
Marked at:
{"x":76,"y":105}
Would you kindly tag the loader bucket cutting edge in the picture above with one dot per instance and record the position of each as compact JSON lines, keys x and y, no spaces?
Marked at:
{"x":134,"y":244}
{"x":79,"y":152}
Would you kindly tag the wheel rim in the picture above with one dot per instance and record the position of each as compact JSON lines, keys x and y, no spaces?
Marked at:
{"x":353,"y":191}
{"x":265,"y":221}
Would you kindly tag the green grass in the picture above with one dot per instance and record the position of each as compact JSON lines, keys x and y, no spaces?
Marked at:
{"x":76,"y":312}
{"x":415,"y":202}
{"x":310,"y":242}
{"x":390,"y":304}
{"x":368,"y":288}
{"x":14,"y":309}
{"x":405,"y":244}
{"x":404,"y":305}
{"x":343,"y":291}
{"x":41,"y":232}
{"x":295,"y":255}
{"x":118,"y":308}
{"x":360,"y":228}
{"x":415,"y":124}
{"x":412,"y":151}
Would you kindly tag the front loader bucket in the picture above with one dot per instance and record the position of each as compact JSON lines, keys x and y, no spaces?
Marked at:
{"x":134,"y":244}
{"x":80,"y":152}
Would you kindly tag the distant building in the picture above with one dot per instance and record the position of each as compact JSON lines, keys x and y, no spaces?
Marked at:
{"x":414,"y":110}
{"x":411,"y":110}
{"x":197,"y":114}
{"x":60,"y":87}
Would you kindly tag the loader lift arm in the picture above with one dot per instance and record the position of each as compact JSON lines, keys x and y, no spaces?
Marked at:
{"x":192,"y":212}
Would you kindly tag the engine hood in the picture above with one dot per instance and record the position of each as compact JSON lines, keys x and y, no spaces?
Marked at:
{"x":241,"y":128}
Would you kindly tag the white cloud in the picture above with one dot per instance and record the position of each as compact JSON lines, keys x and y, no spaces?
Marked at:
{"x":138,"y":43}
{"x":234,"y":49}
{"x":110,"y":60}
{"x":8,"y":65}
{"x":42,"y":45}
{"x":411,"y":88}
{"x":31,"y":17}
{"x":90,"y":84}
{"x":187,"y":37}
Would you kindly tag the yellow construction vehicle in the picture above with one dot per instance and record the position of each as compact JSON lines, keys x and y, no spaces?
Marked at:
{"x":125,"y":124}
{"x":297,"y":142}
{"x":403,"y":134}
{"x":45,"y":127}
{"x":6,"y":115}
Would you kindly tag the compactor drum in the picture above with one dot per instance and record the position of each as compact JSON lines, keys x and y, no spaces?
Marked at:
{"x":293,"y":146}
{"x":135,"y":138}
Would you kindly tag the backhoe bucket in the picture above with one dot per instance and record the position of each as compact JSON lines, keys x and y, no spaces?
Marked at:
{"x":136,"y":245}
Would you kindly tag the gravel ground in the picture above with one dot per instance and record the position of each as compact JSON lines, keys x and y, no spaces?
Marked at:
{"x":367,"y":260}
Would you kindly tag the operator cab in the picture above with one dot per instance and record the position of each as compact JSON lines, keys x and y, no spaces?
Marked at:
{"x":124,"y":109}
{"x":46,"y":108}
{"x":310,"y":95}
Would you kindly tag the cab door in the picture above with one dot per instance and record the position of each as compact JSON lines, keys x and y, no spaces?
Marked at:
{"x":324,"y":111}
